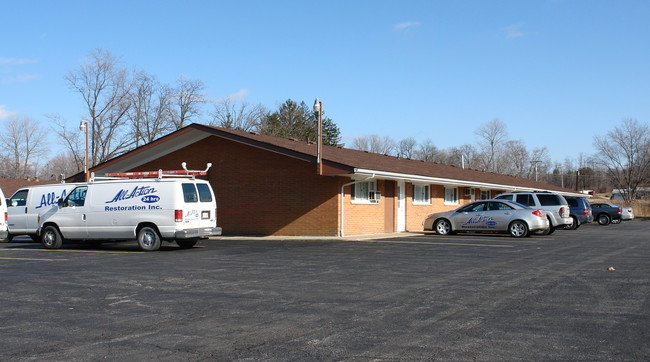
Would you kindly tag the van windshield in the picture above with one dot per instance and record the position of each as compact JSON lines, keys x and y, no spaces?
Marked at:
{"x":204,"y":193}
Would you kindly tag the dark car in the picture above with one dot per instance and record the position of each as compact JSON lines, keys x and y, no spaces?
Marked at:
{"x":580,"y":211}
{"x":604,"y":213}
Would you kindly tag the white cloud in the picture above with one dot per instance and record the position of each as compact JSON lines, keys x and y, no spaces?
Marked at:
{"x":406,"y":26}
{"x":6,"y":114}
{"x":241,"y":94}
{"x":514,"y":31}
{"x":22,"y":78}
{"x":17,"y":61}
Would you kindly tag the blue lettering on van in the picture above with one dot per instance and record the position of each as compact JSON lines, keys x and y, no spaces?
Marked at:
{"x":150,"y":199}
{"x":137,"y":191}
{"x":191,"y":215}
{"x":50,"y":198}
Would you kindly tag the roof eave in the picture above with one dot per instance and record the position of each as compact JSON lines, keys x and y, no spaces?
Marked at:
{"x":453,"y":182}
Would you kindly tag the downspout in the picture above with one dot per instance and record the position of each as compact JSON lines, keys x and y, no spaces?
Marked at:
{"x":341,"y":234}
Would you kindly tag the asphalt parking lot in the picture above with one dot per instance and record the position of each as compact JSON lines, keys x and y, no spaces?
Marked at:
{"x":578,"y":295}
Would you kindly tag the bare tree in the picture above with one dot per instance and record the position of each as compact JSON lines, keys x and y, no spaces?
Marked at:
{"x":237,"y":115}
{"x":59,"y":167}
{"x":188,"y":98}
{"x":406,"y":147}
{"x":105,"y":88}
{"x":625,"y":154}
{"x":150,"y":109}
{"x":73,"y":143}
{"x":374,"y":143}
{"x":516,"y":160}
{"x":540,"y":163}
{"x":24,"y":142}
{"x":491,"y":135}
{"x":427,"y":151}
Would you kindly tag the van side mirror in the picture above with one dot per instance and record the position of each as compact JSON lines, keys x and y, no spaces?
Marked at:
{"x":61,"y":203}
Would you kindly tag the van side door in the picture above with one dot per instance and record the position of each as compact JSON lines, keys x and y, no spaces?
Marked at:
{"x":17,"y":212}
{"x":71,"y":215}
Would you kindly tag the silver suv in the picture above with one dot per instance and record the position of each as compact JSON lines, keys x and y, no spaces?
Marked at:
{"x":556,"y":207}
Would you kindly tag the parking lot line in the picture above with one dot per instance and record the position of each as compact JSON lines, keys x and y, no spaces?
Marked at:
{"x":437,"y":243}
{"x":32,"y":259}
{"x":69,"y":251}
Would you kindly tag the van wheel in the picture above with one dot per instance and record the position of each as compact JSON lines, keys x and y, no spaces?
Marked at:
{"x":148,"y":239}
{"x":574,"y":223}
{"x":186,"y":244}
{"x":51,"y":238}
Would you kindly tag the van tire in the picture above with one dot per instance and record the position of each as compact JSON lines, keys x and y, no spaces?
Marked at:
{"x":148,"y":239}
{"x":187,"y":243}
{"x":51,"y":238}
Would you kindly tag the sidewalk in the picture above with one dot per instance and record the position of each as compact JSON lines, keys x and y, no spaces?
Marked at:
{"x":315,"y":238}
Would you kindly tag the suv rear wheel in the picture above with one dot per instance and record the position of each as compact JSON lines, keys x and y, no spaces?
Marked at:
{"x":603,"y":219}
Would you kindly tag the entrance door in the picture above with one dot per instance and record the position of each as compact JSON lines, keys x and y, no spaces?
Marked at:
{"x":401,"y":206}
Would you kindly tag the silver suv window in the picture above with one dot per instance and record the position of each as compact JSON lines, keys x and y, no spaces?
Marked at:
{"x":526,"y":199}
{"x":549,"y":200}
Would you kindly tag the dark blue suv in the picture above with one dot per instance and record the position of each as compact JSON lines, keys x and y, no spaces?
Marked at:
{"x":580,"y":211}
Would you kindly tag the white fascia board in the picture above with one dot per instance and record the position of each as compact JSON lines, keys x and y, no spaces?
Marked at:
{"x":450,"y":182}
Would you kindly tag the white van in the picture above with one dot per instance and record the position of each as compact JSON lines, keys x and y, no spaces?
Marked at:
{"x":147,"y":210}
{"x":24,"y":206}
{"x":4,"y":234}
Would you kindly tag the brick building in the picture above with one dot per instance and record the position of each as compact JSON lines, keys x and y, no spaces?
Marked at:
{"x":267,"y":185}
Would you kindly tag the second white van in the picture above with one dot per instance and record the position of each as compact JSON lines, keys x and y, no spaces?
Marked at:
{"x":4,"y":233}
{"x":24,"y":206}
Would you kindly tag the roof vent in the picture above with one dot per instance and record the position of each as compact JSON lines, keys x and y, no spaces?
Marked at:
{"x":254,"y":133}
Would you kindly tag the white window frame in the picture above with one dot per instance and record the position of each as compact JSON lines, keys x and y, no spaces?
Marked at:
{"x":424,"y":189}
{"x":359,"y":190}
{"x":489,"y":194}
{"x":453,"y":192}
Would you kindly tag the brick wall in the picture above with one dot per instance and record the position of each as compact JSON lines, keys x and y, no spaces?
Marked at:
{"x":365,"y":218}
{"x":260,"y":192}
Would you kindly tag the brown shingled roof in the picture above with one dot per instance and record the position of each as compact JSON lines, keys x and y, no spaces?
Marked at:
{"x":339,"y":160}
{"x":349,"y":158}
{"x":11,"y":185}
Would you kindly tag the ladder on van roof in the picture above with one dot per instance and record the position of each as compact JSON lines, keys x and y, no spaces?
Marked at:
{"x":159,"y":174}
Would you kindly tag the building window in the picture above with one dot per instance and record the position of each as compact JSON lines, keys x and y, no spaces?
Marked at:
{"x":485,"y":195}
{"x":451,"y":195}
{"x":361,"y":192}
{"x":421,"y":194}
{"x":469,"y":191}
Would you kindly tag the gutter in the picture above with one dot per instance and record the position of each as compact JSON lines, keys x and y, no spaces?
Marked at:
{"x":454,"y":182}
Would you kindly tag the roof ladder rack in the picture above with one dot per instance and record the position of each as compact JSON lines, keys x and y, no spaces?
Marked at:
{"x":158,"y":174}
